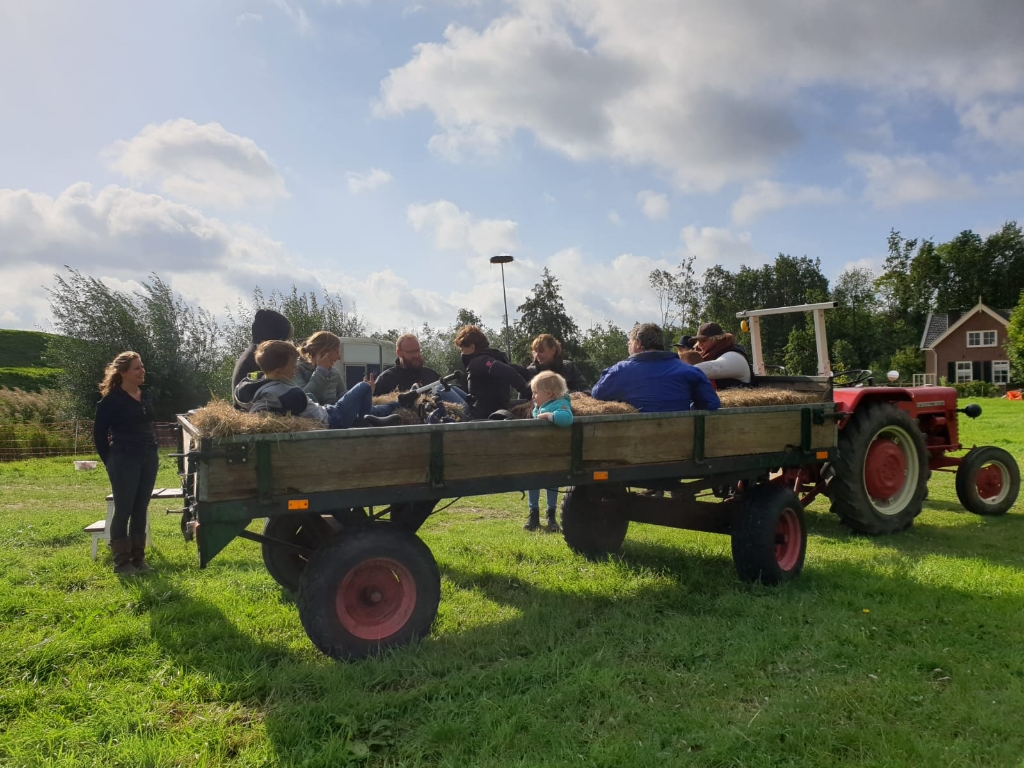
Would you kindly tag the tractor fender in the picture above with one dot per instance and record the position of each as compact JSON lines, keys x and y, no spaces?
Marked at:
{"x":848,"y":399}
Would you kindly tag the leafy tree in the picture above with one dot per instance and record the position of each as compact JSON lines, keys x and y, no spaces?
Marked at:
{"x":1015,"y":340}
{"x":603,"y":346}
{"x":844,"y":356}
{"x":678,"y":294}
{"x":180,"y":345}
{"x":853,"y":321}
{"x":543,"y":311}
{"x":908,"y":361}
{"x":800,"y":353}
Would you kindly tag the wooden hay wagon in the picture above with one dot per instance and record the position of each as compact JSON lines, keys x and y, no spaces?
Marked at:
{"x":342,"y":507}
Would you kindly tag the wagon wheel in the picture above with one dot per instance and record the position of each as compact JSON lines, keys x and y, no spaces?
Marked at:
{"x":881,"y":475}
{"x":376,"y":588}
{"x":593,"y":522}
{"x":284,"y":564}
{"x":987,"y":481}
{"x":769,"y":539}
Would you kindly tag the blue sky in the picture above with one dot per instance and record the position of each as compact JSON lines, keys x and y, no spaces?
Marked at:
{"x":383,"y":150}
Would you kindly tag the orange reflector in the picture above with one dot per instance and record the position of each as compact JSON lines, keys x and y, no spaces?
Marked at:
{"x":821,"y":455}
{"x":298,"y":504}
{"x":600,"y":475}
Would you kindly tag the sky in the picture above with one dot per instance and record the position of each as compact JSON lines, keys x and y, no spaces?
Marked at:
{"x":383,"y":151}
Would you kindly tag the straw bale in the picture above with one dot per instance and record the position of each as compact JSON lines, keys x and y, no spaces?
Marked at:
{"x":745,"y":397}
{"x":221,"y":419}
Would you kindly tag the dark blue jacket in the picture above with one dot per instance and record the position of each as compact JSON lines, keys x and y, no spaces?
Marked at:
{"x":656,"y":382}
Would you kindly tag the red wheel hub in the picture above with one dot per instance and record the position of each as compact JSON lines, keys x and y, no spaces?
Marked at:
{"x":787,"y":540}
{"x":885,"y":469}
{"x":376,"y":598}
{"x":989,"y":482}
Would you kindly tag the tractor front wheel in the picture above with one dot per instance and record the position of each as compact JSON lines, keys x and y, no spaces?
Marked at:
{"x":987,"y":481}
{"x":881,"y":476}
{"x":369,"y":590}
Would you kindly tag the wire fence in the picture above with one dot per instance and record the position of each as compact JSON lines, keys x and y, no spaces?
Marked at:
{"x":64,"y":438}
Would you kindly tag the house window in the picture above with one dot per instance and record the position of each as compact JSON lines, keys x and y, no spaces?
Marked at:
{"x":964,"y":371}
{"x":1000,"y":371}
{"x":981,"y":338}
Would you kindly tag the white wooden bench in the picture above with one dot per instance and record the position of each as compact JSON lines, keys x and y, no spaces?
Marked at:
{"x":99,"y":529}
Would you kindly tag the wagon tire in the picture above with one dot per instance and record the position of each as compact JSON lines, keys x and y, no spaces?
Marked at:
{"x":285,"y":565}
{"x":370,"y":590}
{"x":988,"y":481}
{"x":881,"y":474}
{"x":593,"y":522}
{"x":769,"y":538}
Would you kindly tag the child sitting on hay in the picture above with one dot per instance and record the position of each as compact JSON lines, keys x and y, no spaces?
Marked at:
{"x":275,"y":393}
{"x":551,"y":402}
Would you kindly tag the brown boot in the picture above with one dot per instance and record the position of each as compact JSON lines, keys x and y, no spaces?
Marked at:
{"x":138,"y":552}
{"x":120,"y":549}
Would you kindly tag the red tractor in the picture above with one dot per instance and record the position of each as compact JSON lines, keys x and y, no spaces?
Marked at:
{"x":891,"y":439}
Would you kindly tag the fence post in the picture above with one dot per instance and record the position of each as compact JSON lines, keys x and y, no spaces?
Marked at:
{"x":76,"y":436}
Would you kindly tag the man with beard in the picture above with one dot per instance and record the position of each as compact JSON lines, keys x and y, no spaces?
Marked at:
{"x":409,"y":372}
{"x":489,"y":372}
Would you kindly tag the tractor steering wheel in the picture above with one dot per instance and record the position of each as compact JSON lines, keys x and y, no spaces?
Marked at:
{"x":852,"y":377}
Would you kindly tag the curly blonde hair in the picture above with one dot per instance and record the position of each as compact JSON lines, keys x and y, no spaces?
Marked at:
{"x":115,"y":368}
{"x":317,"y":344}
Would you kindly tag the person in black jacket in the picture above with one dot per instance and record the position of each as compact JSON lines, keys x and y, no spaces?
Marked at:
{"x":125,"y":413}
{"x":489,"y":374}
{"x":547,"y":356}
{"x":409,"y":372}
{"x":268,"y":325}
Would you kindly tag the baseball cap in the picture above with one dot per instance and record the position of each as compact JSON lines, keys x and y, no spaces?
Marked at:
{"x":686,"y":342}
{"x":707,"y":330}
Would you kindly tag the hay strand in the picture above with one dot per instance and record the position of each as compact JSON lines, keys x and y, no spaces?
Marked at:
{"x":221,"y":419}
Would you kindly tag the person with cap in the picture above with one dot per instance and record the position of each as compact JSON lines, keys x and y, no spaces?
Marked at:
{"x":685,"y":350}
{"x":721,"y":359}
{"x":654,"y":380}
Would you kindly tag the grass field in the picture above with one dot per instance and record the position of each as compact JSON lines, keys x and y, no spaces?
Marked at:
{"x":21,"y":361}
{"x":898,"y":651}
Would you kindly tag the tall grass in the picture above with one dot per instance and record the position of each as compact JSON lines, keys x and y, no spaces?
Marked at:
{"x":895,"y":651}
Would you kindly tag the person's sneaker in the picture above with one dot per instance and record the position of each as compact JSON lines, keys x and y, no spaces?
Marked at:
{"x":382,"y":421}
{"x":552,"y":524}
{"x":533,"y":521}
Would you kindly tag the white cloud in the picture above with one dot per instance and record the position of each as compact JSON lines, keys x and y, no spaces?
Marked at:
{"x":548,"y":198}
{"x":614,"y":218}
{"x":248,"y":18}
{"x":1001,"y":126}
{"x":199,"y":164}
{"x":454,"y":229}
{"x":765,"y":196}
{"x":714,"y":246}
{"x":369,"y":181}
{"x":296,"y":15}
{"x":708,"y":92}
{"x":901,"y":180}
{"x":655,"y":205}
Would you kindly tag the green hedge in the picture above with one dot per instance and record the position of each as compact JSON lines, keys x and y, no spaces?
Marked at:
{"x":23,"y":349}
{"x":29,"y":379}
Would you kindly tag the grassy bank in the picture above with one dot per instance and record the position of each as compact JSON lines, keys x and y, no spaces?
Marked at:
{"x":890,"y":651}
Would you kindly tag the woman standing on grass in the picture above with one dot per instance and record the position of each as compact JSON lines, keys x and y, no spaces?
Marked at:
{"x":130,"y":456}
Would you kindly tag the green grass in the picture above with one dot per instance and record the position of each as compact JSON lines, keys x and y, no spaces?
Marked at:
{"x":895,"y":651}
{"x":29,"y":379}
{"x":21,"y":361}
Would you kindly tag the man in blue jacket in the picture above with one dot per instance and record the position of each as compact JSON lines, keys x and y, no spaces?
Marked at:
{"x":653,"y":380}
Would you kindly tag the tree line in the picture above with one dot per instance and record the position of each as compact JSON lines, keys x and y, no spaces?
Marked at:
{"x":877,"y":324}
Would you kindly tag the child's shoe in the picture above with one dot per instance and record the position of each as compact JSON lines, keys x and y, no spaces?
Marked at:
{"x":533,"y":522}
{"x":552,"y":526}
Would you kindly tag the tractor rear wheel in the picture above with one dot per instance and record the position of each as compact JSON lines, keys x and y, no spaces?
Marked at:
{"x":881,"y":476}
{"x":987,"y":481}
{"x":593,"y":523}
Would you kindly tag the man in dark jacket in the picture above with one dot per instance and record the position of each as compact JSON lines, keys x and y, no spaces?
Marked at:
{"x":489,"y":373}
{"x":653,"y":380}
{"x":268,"y":325}
{"x":410,"y":373}
{"x":547,"y":356}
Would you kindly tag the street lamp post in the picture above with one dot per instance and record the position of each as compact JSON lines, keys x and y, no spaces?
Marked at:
{"x":503,"y":259}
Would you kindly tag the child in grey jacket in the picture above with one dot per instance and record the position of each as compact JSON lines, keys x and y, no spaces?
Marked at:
{"x":276,"y":393}
{"x":316,"y":374}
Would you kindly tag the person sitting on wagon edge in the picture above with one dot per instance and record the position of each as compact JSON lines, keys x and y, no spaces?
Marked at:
{"x":489,"y":372}
{"x":722,"y":360}
{"x":654,"y":380}
{"x":409,"y":372}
